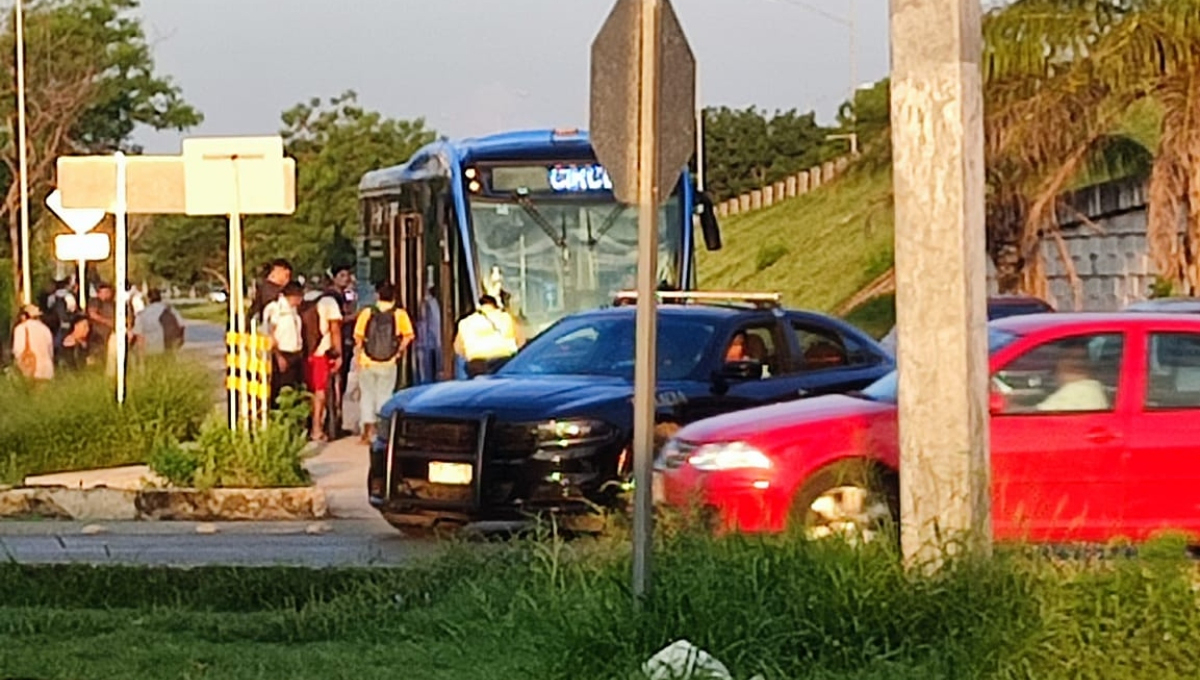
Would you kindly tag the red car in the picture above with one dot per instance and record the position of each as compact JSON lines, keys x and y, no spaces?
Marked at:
{"x":1095,"y":435}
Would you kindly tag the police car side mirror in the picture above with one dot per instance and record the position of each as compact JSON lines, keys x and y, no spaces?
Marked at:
{"x":736,"y":371}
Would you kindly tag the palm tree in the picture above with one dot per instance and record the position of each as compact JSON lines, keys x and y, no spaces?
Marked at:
{"x":1047,"y":120}
{"x":1155,"y":54}
{"x":1060,"y":76}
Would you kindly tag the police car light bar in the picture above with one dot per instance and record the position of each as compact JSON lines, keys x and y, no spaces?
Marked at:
{"x":755,"y":300}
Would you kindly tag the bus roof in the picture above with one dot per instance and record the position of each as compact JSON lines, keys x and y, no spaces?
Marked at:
{"x":438,"y":158}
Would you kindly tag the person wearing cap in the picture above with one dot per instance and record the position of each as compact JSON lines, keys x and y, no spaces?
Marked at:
{"x":33,"y":345}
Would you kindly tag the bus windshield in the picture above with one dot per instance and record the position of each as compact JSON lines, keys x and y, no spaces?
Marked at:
{"x":552,"y":256}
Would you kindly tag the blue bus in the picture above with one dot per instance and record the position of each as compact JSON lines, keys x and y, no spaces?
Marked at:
{"x":528,"y":217}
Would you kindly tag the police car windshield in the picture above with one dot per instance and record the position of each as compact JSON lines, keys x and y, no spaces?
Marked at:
{"x":604,"y":346}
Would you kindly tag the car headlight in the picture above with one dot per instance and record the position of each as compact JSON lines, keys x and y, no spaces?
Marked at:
{"x":573,"y":432}
{"x":729,"y":456}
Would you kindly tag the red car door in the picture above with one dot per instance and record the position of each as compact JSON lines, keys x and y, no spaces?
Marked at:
{"x":1058,"y":441}
{"x":1164,"y":433}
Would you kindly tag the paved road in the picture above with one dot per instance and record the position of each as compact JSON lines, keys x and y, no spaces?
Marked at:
{"x":187,"y":544}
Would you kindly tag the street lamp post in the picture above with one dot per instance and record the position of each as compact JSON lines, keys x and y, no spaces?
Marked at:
{"x":22,"y":158}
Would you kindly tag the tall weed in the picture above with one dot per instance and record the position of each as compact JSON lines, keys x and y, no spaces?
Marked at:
{"x":74,"y":422}
{"x":267,"y":458}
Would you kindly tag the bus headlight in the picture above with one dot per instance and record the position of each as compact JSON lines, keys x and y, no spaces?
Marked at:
{"x":729,"y":456}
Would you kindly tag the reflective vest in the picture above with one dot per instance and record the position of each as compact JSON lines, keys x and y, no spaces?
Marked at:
{"x":487,"y":335}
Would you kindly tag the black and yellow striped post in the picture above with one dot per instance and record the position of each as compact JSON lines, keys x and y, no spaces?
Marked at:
{"x":248,"y":378}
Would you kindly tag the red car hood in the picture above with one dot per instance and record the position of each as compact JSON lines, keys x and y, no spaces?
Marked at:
{"x":746,"y":425}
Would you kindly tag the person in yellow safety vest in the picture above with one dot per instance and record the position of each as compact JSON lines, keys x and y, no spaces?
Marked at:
{"x":485,"y":335}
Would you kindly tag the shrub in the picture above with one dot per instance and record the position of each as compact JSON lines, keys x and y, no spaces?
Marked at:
{"x":74,"y":422}
{"x":224,"y":458}
{"x":768,"y":255}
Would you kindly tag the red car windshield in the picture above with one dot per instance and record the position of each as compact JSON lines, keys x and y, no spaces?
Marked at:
{"x":884,"y":389}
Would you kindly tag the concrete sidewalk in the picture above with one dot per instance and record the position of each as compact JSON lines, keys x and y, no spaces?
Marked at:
{"x":340,"y":470}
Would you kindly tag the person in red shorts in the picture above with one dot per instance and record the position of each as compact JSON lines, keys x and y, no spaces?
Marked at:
{"x":322,"y":320}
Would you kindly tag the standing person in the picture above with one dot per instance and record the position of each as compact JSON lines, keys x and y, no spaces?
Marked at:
{"x":484,"y":336}
{"x":61,"y":305}
{"x":278,"y":274}
{"x":282,"y":324}
{"x":73,"y":355}
{"x":33,"y":345}
{"x":321,"y":323}
{"x":429,"y":337}
{"x":102,"y":312}
{"x":159,"y":328}
{"x":381,"y":334}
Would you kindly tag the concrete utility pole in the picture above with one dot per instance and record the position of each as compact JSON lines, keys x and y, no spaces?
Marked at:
{"x":937,"y":135}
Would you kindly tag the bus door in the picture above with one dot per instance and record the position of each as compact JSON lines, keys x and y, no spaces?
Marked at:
{"x":408,"y":258}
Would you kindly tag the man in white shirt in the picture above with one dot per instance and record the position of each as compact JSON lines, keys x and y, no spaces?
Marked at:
{"x":1077,"y":389}
{"x":282,"y":324}
{"x":149,"y":331}
{"x":33,"y":345}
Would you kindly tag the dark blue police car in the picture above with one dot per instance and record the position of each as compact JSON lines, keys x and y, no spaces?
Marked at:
{"x":551,"y":429}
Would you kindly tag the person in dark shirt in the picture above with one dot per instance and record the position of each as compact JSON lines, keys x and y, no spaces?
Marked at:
{"x":102,"y":313}
{"x":278,"y":275}
{"x":73,"y":354}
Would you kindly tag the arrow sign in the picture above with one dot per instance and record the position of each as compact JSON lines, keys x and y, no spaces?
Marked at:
{"x":80,"y":220}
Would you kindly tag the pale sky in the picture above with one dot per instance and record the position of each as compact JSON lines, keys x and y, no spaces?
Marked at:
{"x":473,"y":67}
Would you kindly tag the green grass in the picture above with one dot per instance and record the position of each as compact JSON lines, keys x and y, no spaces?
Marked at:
{"x":74,"y":422}
{"x":875,"y":316}
{"x":817,"y":249}
{"x":781,"y":607}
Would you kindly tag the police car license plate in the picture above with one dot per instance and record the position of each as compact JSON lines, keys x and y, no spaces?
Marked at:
{"x":451,"y":473}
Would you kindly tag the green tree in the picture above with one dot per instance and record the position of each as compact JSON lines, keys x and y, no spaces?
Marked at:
{"x":335,"y":143}
{"x":745,"y":149}
{"x":90,"y":80}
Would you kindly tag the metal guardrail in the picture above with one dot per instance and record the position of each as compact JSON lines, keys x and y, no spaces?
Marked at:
{"x":719,"y":298}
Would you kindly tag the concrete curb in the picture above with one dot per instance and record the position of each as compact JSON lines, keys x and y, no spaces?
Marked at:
{"x":214,"y":505}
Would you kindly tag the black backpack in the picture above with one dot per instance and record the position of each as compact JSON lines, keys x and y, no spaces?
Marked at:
{"x":172,"y":329}
{"x":381,"y":342}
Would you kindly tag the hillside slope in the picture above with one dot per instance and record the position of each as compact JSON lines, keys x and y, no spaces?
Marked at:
{"x":817,"y":250}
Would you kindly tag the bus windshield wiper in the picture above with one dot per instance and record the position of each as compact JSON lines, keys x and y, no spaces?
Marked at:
{"x":537,"y":216}
{"x":610,"y":220}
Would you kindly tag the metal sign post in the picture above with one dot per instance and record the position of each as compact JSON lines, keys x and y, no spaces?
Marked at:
{"x":120,"y":208}
{"x":643,"y":122}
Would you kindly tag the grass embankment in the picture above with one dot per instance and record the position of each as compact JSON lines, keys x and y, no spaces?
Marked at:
{"x":818,"y":249}
{"x":74,"y":422}
{"x":786,"y":609}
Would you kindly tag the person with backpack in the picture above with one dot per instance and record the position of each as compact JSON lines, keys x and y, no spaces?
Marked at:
{"x":33,"y":346}
{"x":159,"y":328}
{"x":382,"y":333}
{"x":321,"y":327}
